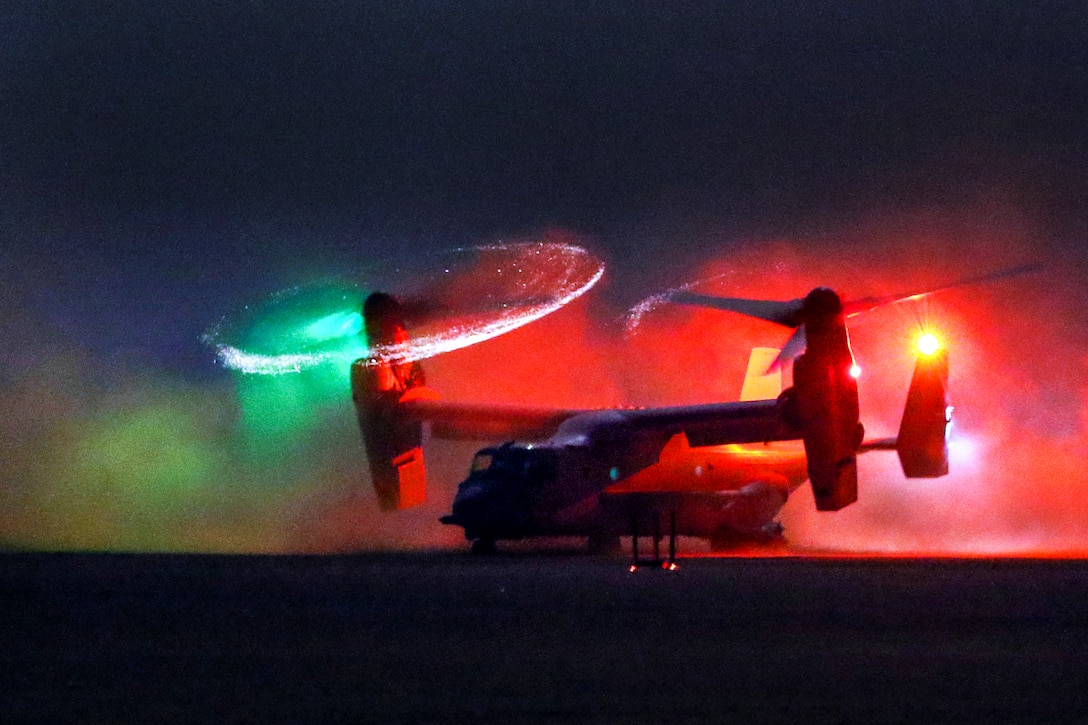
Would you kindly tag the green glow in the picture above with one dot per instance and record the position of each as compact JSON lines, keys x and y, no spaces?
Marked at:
{"x":154,"y":455}
{"x":295,"y":329}
{"x":282,"y":415}
{"x":133,"y":476}
{"x":319,"y":320}
{"x":160,"y":465}
{"x":337,"y":325}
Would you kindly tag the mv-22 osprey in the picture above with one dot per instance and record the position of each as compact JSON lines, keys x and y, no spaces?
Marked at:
{"x":720,"y":471}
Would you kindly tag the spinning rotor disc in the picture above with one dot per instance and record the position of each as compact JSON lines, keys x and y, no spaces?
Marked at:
{"x":450,"y":300}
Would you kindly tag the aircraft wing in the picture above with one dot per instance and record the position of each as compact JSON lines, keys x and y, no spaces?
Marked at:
{"x":715,"y":424}
{"x":465,"y":421}
{"x":704,"y":425}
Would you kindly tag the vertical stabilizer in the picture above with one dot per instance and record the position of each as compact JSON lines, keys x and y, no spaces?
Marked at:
{"x":760,"y":382}
{"x":922,"y":444}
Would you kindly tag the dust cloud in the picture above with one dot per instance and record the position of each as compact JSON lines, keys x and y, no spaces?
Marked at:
{"x":1018,"y":361}
{"x":102,"y":454}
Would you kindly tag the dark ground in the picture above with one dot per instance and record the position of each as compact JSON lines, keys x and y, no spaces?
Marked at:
{"x":442,"y":637}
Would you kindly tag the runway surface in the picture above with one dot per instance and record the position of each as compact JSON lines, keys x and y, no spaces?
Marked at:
{"x":531,"y":637}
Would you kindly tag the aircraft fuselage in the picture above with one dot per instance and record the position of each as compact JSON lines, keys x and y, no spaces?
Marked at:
{"x":519,"y":490}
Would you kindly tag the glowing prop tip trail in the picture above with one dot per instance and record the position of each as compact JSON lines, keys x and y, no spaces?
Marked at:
{"x":524,"y":282}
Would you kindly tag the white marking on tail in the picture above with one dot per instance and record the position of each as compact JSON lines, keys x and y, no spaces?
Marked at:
{"x":758,"y":383}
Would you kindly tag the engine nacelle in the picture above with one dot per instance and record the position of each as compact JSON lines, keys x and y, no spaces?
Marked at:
{"x":826,"y":398}
{"x":393,"y":439}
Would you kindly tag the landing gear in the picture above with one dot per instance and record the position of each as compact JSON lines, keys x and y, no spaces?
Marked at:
{"x":668,"y":563}
{"x":483,"y":547}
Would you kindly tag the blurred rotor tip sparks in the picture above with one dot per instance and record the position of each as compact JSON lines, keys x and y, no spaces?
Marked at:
{"x":492,"y":289}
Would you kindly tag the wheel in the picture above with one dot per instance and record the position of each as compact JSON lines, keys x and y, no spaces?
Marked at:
{"x":483,"y":547}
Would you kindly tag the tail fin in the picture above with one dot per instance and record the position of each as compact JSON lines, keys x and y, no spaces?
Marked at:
{"x":922,"y":444}
{"x":759,"y":384}
{"x":393,"y":439}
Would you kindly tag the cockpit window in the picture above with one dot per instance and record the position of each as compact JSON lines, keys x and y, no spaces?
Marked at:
{"x":518,"y":466}
{"x":481,"y":462}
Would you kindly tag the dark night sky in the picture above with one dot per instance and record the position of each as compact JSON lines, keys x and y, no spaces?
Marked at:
{"x":160,"y":157}
{"x":162,"y":164}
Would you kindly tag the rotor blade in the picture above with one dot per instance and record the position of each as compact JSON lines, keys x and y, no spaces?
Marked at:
{"x":419,"y":310}
{"x":781,"y":313}
{"x":422,"y":310}
{"x":790,"y":351}
{"x":865,"y":304}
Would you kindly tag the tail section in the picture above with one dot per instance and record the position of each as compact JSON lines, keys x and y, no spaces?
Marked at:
{"x":392,"y":438}
{"x":922,"y":443}
{"x":759,"y":384}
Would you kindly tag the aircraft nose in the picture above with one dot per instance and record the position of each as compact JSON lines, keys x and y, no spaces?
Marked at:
{"x":474,"y":504}
{"x":488,"y":506}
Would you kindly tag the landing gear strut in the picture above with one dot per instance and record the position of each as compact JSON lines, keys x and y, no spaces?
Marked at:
{"x":668,"y":563}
